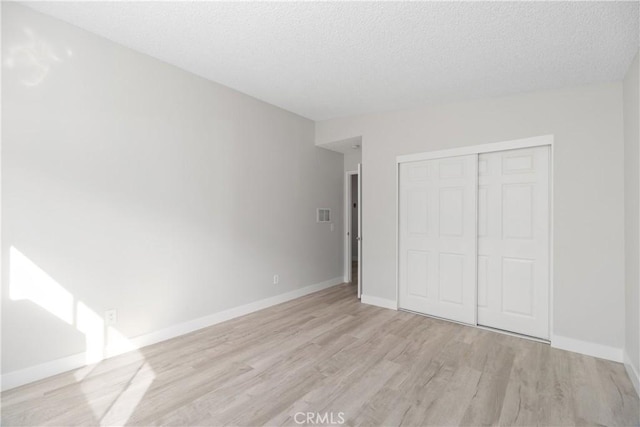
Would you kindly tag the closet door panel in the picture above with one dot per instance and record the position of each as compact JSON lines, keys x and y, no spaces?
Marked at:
{"x":513,"y":241}
{"x":437,"y":244}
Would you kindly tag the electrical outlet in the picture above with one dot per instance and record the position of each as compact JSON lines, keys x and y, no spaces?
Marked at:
{"x":276,"y":279}
{"x":111,"y":317}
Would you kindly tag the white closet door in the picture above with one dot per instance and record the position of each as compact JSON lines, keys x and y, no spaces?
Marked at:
{"x":513,"y":241}
{"x":438,"y":237}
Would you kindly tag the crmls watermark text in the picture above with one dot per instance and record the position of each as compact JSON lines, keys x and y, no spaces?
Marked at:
{"x":324,"y":418}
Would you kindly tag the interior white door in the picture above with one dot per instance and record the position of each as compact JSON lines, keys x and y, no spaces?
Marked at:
{"x":513,"y":241}
{"x":437,"y":246}
{"x":359,"y":230}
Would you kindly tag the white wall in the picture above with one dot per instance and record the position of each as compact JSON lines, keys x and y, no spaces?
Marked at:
{"x":134,"y":185}
{"x":351,"y":160}
{"x":588,"y":194}
{"x":632,"y":220}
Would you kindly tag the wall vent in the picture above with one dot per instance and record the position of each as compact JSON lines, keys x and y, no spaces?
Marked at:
{"x":323,"y":215}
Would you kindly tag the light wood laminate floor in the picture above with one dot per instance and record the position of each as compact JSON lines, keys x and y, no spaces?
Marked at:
{"x":328,"y":353}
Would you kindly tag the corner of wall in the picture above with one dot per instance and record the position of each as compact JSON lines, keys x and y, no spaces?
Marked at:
{"x":633,"y":372}
{"x":588,"y":348}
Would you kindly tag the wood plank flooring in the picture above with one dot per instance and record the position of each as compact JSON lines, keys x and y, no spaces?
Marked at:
{"x":329,"y":355}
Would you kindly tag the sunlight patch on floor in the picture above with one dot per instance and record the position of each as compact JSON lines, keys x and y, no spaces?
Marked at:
{"x":28,"y":282}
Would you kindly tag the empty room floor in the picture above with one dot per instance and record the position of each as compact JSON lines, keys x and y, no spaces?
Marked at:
{"x":328,"y":354}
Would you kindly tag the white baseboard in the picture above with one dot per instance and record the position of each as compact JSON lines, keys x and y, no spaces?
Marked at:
{"x":379,"y":302}
{"x":34,"y":373}
{"x":232,"y":313}
{"x":585,"y":347}
{"x":633,"y":372}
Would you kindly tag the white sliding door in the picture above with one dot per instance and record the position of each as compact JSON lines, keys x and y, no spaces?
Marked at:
{"x":513,"y":241}
{"x":437,"y":272}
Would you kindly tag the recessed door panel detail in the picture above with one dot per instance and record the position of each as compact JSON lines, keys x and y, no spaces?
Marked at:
{"x":417,"y":273}
{"x":451,"y":211}
{"x":437,"y":242}
{"x":482,"y":167}
{"x":418,"y":173}
{"x":517,"y":286}
{"x":451,"y":278}
{"x":483,"y":265}
{"x":515,"y":243}
{"x":482,"y":211}
{"x":517,"y":161}
{"x":517,"y":211}
{"x":451,"y":168}
{"x":417,"y":213}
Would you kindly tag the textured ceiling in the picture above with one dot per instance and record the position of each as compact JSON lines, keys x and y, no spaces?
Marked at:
{"x":325,"y":59}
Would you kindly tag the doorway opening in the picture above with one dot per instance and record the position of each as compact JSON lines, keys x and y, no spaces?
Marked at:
{"x":353,"y":235}
{"x":353,"y":205}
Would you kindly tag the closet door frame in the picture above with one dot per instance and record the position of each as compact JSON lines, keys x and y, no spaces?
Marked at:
{"x":537,"y":141}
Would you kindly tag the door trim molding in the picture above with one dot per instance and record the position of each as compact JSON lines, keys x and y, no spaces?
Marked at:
{"x":536,"y":141}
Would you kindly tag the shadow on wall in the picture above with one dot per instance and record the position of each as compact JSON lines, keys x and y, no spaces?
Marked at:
{"x":28,"y":282}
